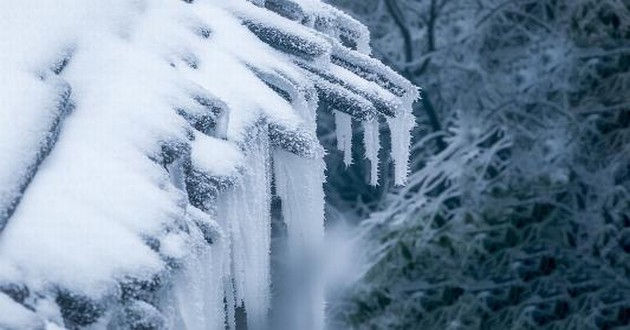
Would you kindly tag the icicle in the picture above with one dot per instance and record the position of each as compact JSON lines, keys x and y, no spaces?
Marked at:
{"x":299,"y":184}
{"x":400,"y":128}
{"x":196,"y":299}
{"x":246,"y":209}
{"x":198,"y":294}
{"x":371,"y":140}
{"x":230,"y":300}
{"x":343,"y":129}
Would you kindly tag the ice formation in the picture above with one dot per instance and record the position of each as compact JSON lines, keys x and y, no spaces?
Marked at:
{"x":400,"y":127}
{"x":139,"y":141}
{"x":343,"y":130}
{"x":372,"y":143}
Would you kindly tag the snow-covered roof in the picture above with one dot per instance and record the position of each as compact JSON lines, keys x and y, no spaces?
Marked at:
{"x":125,"y":125}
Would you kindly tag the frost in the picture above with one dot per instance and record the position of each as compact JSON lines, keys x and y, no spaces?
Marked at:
{"x":216,"y":157}
{"x":326,"y":19}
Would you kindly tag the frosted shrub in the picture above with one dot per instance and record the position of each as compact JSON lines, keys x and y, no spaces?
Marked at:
{"x":516,"y":214}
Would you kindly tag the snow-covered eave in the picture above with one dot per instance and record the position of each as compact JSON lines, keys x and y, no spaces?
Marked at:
{"x":327,"y":48}
{"x":326,"y":19}
{"x":157,"y":113}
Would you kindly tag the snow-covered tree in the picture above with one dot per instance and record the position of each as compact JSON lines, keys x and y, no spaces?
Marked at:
{"x":516,"y":215}
{"x":141,"y":144}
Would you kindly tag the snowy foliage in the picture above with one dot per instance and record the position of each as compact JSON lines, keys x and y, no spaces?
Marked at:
{"x":516,"y":214}
{"x":139,"y":141}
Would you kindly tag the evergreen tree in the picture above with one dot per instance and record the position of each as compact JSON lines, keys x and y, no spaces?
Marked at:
{"x":516,"y":213}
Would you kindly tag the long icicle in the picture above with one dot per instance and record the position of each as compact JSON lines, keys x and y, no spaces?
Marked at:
{"x":343,"y":130}
{"x":299,"y":184}
{"x":246,"y":209}
{"x":400,"y":128}
{"x":372,"y":143}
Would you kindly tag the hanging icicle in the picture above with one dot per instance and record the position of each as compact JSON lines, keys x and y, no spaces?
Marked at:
{"x":400,"y":128}
{"x":343,"y":130}
{"x":372,"y":143}
{"x":245,"y":210}
{"x":299,"y":184}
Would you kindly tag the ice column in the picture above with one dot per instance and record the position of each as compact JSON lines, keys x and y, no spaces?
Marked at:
{"x":198,"y":292}
{"x":299,"y":185}
{"x":245,"y":209}
{"x":372,"y":143}
{"x":400,"y":127}
{"x":343,"y":129}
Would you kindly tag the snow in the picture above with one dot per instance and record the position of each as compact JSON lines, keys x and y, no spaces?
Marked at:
{"x":289,"y":36}
{"x":53,"y":326}
{"x":100,"y":187}
{"x":28,"y":94}
{"x":339,"y":98}
{"x":384,"y":101}
{"x":108,"y":111}
{"x":370,"y":69}
{"x":216,"y":157}
{"x":15,"y":317}
{"x":325,"y":19}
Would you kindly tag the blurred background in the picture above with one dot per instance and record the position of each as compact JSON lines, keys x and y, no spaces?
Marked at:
{"x":517,"y":210}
